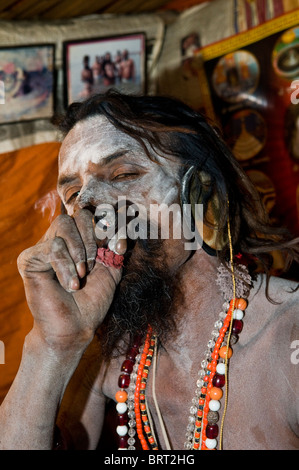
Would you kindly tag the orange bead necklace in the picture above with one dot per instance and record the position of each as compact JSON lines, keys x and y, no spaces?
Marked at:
{"x":202,"y":429}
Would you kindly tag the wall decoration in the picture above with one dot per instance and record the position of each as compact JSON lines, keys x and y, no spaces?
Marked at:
{"x":27,"y":75}
{"x":250,"y":80}
{"x":246,"y":133}
{"x":236,"y":75}
{"x":285,"y":55}
{"x":95,"y":65}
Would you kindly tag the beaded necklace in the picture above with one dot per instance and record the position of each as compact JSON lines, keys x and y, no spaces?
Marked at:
{"x":202,"y":428}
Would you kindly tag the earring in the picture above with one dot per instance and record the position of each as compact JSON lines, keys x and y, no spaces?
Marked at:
{"x":193,"y":187}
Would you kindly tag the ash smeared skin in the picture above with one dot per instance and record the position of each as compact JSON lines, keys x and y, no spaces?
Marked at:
{"x":89,"y":143}
{"x":96,"y":181}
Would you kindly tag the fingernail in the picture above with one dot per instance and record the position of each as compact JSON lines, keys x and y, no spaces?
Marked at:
{"x":112,"y":243}
{"x":118,"y":245}
{"x":121,"y":246}
{"x":81,"y":269}
{"x":74,"y":284}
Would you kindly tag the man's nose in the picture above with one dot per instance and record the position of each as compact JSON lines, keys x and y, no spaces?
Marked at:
{"x":93,"y":195}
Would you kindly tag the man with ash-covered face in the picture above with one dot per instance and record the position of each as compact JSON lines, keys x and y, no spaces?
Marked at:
{"x":149,"y":322}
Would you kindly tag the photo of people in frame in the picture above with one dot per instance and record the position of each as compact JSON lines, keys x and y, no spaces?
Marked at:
{"x":96,"y":65}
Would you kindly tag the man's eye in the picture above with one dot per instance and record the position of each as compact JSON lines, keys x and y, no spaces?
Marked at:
{"x":123,"y":176}
{"x":72,"y":197}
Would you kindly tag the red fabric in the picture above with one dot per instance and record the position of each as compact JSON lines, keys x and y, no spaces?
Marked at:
{"x":109,"y":258}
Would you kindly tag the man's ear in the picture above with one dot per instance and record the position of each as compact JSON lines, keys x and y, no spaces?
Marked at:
{"x":194,"y":189}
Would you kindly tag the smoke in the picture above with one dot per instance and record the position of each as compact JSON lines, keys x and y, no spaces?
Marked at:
{"x":49,"y":202}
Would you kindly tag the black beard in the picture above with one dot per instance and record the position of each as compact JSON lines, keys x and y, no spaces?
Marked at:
{"x":144,"y":296}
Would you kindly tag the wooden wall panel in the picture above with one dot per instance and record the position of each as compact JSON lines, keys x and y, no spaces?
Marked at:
{"x":55,"y":9}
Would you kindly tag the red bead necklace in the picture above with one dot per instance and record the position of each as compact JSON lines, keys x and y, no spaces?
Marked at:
{"x":122,"y":395}
{"x":202,"y":429}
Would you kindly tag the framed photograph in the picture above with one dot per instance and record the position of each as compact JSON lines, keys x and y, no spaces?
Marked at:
{"x":27,"y":82}
{"x":95,"y":65}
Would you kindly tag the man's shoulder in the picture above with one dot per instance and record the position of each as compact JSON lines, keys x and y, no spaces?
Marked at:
{"x":276,"y":292}
{"x":271,"y":307}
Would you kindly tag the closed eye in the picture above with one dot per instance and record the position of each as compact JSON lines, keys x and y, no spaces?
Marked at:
{"x":125,"y":176}
{"x":72,"y":197}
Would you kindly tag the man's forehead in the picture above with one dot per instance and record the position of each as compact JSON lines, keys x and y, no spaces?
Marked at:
{"x":95,"y":130}
{"x":96,"y":140}
{"x":93,"y":140}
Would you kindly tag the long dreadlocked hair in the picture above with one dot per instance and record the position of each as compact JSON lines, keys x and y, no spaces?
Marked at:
{"x":167,"y":127}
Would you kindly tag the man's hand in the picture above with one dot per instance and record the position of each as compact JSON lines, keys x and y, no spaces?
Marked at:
{"x":67,"y":292}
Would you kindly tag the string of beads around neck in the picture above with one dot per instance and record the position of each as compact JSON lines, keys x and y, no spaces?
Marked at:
{"x":134,"y":421}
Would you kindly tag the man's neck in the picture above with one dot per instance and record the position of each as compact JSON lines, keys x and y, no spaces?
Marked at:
{"x":197,"y":309}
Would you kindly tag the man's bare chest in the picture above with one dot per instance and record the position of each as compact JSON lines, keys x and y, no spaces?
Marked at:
{"x":248,"y":407}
